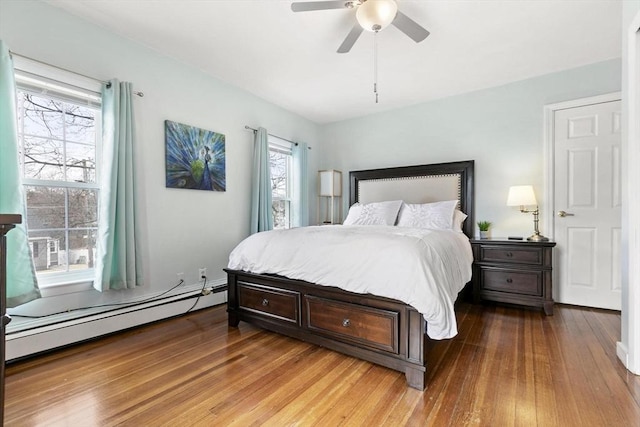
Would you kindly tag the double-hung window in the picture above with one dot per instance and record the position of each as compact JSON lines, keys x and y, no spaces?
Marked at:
{"x":59,"y":133}
{"x":281,"y":166}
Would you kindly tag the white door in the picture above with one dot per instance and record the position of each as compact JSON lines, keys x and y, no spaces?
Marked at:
{"x":587,"y":201}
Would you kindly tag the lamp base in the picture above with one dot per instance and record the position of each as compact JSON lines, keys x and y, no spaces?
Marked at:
{"x":537,"y":238}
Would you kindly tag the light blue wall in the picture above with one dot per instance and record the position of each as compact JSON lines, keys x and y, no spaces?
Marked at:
{"x":183,"y":229}
{"x":501,"y":128}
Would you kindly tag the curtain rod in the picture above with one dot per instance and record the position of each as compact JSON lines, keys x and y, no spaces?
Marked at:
{"x":276,"y":136}
{"x":108,"y":84}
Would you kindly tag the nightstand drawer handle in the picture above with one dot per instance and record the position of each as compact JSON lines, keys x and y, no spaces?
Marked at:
{"x":509,"y":280}
{"x":509,"y":254}
{"x":265,"y":302}
{"x":346,"y":323}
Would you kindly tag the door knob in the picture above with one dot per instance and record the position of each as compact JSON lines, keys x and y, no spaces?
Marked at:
{"x":562,"y":214}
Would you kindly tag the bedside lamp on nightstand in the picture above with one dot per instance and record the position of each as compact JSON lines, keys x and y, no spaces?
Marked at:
{"x":330,"y":189}
{"x":523,"y":195}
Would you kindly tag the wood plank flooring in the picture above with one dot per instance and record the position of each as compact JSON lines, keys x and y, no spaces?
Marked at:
{"x":507,"y":367}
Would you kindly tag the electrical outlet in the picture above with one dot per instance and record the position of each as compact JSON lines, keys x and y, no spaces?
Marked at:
{"x":202,"y":272}
{"x":181,"y":276}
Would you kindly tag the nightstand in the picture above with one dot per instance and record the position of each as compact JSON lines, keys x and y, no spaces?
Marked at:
{"x":513,"y":271}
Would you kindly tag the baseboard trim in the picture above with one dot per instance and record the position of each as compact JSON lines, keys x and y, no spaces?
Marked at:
{"x":39,"y":340}
{"x":622,"y":353}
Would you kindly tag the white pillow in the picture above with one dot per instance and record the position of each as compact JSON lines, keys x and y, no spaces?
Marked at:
{"x":438,"y":215}
{"x":380,"y":213}
{"x":458,"y":219}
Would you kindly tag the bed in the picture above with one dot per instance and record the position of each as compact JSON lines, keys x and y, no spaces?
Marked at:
{"x":372,"y":327}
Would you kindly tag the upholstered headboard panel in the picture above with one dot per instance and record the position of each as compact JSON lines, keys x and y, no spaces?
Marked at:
{"x":418,"y":189}
{"x":418,"y":184}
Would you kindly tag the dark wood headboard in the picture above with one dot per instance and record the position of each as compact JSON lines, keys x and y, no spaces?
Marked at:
{"x":456,"y":179}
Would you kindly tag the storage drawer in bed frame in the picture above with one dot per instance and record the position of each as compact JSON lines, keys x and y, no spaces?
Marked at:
{"x":367,"y":326}
{"x":268,"y":301}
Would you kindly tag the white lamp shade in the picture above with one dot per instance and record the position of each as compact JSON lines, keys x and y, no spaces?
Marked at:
{"x":521,"y":195}
{"x":374,"y":15}
{"x":330,"y":183}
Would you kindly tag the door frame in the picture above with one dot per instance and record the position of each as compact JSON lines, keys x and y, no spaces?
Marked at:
{"x":628,"y":348}
{"x":549,"y":160}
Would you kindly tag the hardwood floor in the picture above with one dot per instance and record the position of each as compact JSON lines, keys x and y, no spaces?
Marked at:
{"x":506,"y":367}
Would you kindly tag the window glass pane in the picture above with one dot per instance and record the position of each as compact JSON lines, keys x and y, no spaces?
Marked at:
{"x":279,"y":169}
{"x":20,"y":110}
{"x":42,"y":116}
{"x":81,"y":162}
{"x":48,"y":251}
{"x":280,"y":214}
{"x":45,"y":207}
{"x":80,"y":124}
{"x":43,"y":158}
{"x":82,"y":249}
{"x":83,"y":208}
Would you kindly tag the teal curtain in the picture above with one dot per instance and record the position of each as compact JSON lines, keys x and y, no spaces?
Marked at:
{"x":261,"y":205}
{"x":300,"y":153}
{"x":118,"y":265}
{"x":22,"y":285}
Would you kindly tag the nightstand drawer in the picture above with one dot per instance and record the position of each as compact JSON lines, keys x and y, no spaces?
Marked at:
{"x":270,"y":302}
{"x":368,"y":326}
{"x":512,"y":281}
{"x":518,"y":255}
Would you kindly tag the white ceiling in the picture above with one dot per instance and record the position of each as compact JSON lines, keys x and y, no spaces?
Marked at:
{"x":290,"y":58}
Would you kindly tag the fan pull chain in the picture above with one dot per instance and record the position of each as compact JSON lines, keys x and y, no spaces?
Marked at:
{"x":375,"y":64}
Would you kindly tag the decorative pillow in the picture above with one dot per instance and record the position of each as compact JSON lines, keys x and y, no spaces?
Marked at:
{"x":458,"y":219}
{"x":380,"y":213}
{"x":438,"y":215}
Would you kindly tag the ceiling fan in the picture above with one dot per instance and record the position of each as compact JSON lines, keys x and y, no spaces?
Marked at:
{"x":371,"y":15}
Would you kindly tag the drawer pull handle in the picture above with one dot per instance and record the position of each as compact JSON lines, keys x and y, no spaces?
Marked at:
{"x":265,"y":302}
{"x":509,"y":280}
{"x":346,"y":323}
{"x":509,"y":254}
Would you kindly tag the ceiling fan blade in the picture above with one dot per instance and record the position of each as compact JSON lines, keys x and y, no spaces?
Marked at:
{"x":308,"y":6}
{"x":410,"y":27}
{"x":351,"y":38}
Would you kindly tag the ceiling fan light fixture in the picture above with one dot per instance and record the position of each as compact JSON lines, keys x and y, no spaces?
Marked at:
{"x":375,"y":15}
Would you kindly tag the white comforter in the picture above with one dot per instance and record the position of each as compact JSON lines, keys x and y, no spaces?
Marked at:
{"x":423,"y":268}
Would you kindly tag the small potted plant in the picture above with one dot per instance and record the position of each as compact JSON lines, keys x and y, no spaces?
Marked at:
{"x":484,"y":226}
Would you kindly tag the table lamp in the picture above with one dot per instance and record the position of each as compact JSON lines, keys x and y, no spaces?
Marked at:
{"x":523,"y":195}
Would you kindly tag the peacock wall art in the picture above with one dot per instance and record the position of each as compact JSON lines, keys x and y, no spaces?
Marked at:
{"x":195,"y":158}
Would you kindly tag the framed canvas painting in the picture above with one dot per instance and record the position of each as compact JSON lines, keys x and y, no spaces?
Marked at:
{"x":195,"y":158}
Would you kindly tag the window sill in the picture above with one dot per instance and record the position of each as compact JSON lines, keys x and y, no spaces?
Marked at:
{"x":58,"y":284}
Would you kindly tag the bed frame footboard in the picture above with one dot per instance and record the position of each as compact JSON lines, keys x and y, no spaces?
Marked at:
{"x":380,"y":330}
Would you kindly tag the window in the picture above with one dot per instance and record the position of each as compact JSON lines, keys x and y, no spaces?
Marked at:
{"x":281,"y":161}
{"x":59,"y":130}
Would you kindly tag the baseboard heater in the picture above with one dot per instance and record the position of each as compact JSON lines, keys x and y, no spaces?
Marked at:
{"x":33,"y":341}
